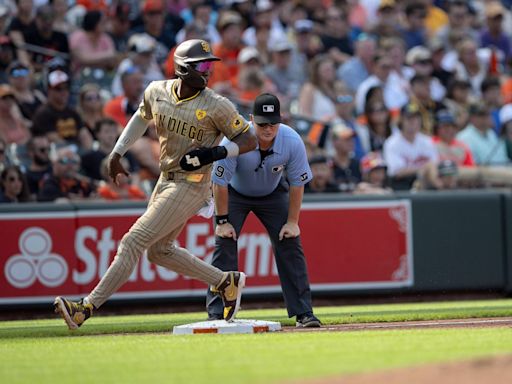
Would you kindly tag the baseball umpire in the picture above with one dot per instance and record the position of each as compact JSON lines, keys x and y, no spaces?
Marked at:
{"x":190,"y":120}
{"x":255,"y":182}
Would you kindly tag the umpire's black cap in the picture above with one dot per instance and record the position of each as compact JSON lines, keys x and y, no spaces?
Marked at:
{"x":267,"y":109}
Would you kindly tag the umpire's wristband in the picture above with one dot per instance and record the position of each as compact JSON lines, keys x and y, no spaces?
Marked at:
{"x":221,"y":219}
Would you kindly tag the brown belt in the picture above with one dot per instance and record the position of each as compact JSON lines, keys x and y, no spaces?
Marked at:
{"x":180,"y":176}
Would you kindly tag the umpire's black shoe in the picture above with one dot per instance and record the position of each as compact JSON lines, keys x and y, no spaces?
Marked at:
{"x":308,"y":320}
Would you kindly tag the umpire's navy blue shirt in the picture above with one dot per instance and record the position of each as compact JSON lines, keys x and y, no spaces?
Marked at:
{"x":246,"y":176}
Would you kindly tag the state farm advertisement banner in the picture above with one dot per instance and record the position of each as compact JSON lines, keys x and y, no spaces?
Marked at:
{"x":348,"y":245}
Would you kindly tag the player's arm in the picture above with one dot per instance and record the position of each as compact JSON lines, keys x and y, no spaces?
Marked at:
{"x":197,"y":158}
{"x":131,"y":133}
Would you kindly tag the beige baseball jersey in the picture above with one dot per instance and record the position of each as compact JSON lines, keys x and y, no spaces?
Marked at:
{"x":183,"y":125}
{"x":199,"y":121}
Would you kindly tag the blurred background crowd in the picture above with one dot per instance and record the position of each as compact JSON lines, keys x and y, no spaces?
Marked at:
{"x":388,"y":95}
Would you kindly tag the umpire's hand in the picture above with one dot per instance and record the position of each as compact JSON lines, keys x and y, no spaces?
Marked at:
{"x":289,"y":230}
{"x":225,"y":230}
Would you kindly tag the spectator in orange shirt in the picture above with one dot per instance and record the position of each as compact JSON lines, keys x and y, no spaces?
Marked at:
{"x":122,"y":107}
{"x":125,"y":190}
{"x":230,"y":29}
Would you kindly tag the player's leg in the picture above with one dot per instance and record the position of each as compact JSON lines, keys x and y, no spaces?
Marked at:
{"x":225,"y":254}
{"x":165,"y":253}
{"x":290,"y":260}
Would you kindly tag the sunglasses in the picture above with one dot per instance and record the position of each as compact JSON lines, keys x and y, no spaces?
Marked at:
{"x":203,"y":66}
{"x":12,"y":179}
{"x":43,"y":149}
{"x":345,"y":99}
{"x":378,"y":110}
{"x":264,"y":125}
{"x":20,"y":72}
{"x":93,"y":97}
{"x":68,"y":160}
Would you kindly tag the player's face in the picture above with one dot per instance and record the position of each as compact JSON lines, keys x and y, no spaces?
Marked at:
{"x":198,"y":74}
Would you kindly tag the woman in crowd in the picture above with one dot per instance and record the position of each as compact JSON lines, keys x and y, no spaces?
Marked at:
{"x":379,"y":124}
{"x":317,"y":96}
{"x":90,"y":105}
{"x":13,"y":186}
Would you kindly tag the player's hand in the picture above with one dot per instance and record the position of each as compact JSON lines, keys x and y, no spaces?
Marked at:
{"x":116,"y":170}
{"x":225,"y":230}
{"x":200,"y":157}
{"x":289,"y":230}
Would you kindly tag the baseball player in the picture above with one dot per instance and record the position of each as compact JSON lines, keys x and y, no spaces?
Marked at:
{"x":190,"y":120}
{"x":254,"y":181}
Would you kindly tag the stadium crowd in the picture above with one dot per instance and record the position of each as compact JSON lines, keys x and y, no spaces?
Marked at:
{"x":387,"y":94}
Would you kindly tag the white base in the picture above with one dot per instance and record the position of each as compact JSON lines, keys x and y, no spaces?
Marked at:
{"x":223,"y":327}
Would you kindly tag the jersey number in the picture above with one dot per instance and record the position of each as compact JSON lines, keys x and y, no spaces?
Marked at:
{"x":193,"y":160}
{"x":219,"y":171}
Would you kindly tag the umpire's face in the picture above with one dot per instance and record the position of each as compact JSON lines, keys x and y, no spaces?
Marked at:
{"x":265,"y":132}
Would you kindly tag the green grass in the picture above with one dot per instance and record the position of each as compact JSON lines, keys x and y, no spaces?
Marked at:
{"x":41,"y":351}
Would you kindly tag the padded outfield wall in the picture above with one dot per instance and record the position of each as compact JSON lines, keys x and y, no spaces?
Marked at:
{"x":421,"y":243}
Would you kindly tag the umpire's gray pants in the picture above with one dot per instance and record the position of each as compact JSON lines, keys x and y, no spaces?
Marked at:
{"x":272,"y":211}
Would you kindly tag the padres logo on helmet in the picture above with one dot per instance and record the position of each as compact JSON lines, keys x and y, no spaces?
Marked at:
{"x":206,"y":46}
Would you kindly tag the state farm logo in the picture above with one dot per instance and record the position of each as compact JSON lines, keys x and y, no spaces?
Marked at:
{"x":36,"y":262}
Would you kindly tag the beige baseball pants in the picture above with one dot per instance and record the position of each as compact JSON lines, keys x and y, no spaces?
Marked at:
{"x":170,"y":206}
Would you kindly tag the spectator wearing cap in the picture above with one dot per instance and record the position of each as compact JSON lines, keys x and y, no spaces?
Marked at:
{"x":42,"y":34}
{"x":346,"y":168}
{"x":251,"y":80}
{"x":420,"y":60}
{"x":408,"y":151}
{"x":303,"y":41}
{"x":56,"y":119}
{"x":323,"y":177}
{"x":27,"y":96}
{"x":141,"y":55}
{"x":374,"y":178}
{"x":230,"y":27}
{"x":65,"y":183}
{"x":506,"y":128}
{"x":345,"y":113}
{"x":437,"y":177}
{"x":318,"y":95}
{"x":448,"y":147}
{"x":438,"y":52}
{"x":281,"y":72}
{"x":91,"y":46}
{"x":160,"y":25}
{"x":420,"y":95}
{"x":358,"y":68}
{"x":486,"y":147}
{"x":202,"y":14}
{"x":13,"y":128}
{"x":264,"y":14}
{"x":493,"y":35}
{"x":336,"y":36}
{"x":122,"y":107}
{"x":388,"y":19}
{"x":414,"y":33}
{"x":395,"y":95}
